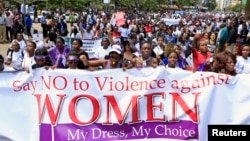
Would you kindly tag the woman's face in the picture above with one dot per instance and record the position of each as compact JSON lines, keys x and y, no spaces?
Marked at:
{"x":76,"y":45}
{"x":127,"y":47}
{"x":213,"y":36}
{"x":19,"y":37}
{"x":15,"y":46}
{"x":30,"y":47}
{"x":105,"y":43}
{"x":160,"y":41}
{"x":145,"y":49}
{"x":114,"y":58}
{"x":172,"y":60}
{"x":72,"y":63}
{"x":245,"y":51}
{"x":59,"y":43}
{"x":206,"y":36}
{"x":203,"y":46}
{"x":177,"y":49}
{"x":40,"y":60}
{"x":230,"y":65}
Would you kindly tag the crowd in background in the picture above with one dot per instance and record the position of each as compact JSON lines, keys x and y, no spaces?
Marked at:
{"x":200,"y":42}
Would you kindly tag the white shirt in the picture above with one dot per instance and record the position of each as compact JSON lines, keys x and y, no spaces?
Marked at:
{"x":138,"y":51}
{"x":9,"y":21}
{"x":87,"y":35}
{"x":16,"y":59}
{"x":28,"y":61}
{"x":124,"y":31}
{"x":242,"y":65}
{"x":100,"y":53}
{"x":78,"y":35}
{"x":39,"y":44}
{"x":22,"y":8}
{"x":21,"y":43}
{"x":239,"y":29}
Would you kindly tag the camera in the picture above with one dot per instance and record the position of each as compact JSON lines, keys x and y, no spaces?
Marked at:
{"x":126,"y":62}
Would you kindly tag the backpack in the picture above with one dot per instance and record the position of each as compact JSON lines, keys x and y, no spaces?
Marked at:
{"x":11,"y":53}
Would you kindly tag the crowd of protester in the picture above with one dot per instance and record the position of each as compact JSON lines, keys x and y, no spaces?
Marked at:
{"x":200,"y":42}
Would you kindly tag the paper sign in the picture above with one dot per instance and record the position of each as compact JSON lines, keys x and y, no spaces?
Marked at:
{"x":37,"y":37}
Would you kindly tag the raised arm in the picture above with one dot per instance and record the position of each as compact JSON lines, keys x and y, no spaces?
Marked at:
{"x":195,"y":41}
{"x":112,"y":42}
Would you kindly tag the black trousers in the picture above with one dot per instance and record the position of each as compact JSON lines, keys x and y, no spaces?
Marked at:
{"x":9,"y":33}
{"x":45,"y":30}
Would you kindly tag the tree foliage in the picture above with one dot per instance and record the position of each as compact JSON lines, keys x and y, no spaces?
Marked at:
{"x":66,"y":4}
{"x":147,"y":5}
{"x":181,"y":3}
{"x":235,"y":8}
{"x":26,"y":1}
{"x":211,"y":4}
{"x":247,"y":9}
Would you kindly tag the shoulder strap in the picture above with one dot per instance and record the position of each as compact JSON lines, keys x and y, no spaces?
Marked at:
{"x":11,"y":54}
{"x":22,"y":53}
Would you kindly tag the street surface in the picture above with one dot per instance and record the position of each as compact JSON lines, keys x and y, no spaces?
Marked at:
{"x":4,"y":47}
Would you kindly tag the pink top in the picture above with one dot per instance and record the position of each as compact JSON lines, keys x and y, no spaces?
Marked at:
{"x":200,"y":60}
{"x":108,"y":65}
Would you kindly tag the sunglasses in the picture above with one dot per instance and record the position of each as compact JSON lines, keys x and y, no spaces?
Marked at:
{"x":40,"y":57}
{"x":73,"y":62}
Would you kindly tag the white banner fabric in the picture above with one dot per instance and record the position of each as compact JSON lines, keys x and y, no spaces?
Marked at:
{"x":138,"y":104}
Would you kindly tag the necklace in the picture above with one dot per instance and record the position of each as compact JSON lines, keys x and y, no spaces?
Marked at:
{"x":148,"y":58}
{"x":144,"y":62}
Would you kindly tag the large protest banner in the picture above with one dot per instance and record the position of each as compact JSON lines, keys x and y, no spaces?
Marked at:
{"x":90,"y":46}
{"x":141,"y":104}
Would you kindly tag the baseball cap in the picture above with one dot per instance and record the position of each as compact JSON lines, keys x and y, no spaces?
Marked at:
{"x":116,"y":48}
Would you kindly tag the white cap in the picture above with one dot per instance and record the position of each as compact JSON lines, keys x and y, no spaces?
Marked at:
{"x":116,"y":48}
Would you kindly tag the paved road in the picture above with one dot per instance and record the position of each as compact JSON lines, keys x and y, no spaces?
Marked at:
{"x":4,"y":47}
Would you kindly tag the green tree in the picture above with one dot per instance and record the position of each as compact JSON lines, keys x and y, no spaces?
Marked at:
{"x":26,"y":1}
{"x":181,"y":3}
{"x":211,"y":4}
{"x":73,"y":4}
{"x":235,"y":8}
{"x":247,"y":9}
{"x":125,"y":3}
{"x":149,"y":5}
